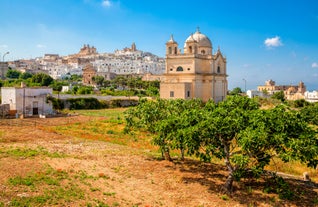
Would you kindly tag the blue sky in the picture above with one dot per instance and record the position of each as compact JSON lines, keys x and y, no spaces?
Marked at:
{"x":273,"y":39}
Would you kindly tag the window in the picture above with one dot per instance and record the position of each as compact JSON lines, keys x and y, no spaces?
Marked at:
{"x":190,"y":49}
{"x":188,"y":68}
{"x":171,"y":69}
{"x":203,"y":52}
{"x":188,"y":94}
{"x":170,"y":50}
{"x":175,"y":50}
{"x":179,"y":68}
{"x":219,"y":69}
{"x":171,"y":93}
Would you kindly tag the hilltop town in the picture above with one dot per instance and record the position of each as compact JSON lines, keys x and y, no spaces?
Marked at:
{"x":129,"y":60}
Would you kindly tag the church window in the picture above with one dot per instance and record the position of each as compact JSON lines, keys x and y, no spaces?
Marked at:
{"x":190,"y":49}
{"x":203,"y":52}
{"x":219,"y":69}
{"x":179,"y":68}
{"x":175,"y":50}
{"x":170,"y":50}
{"x":171,"y":69}
{"x":188,"y":68}
{"x":188,"y":94}
{"x":171,"y":93}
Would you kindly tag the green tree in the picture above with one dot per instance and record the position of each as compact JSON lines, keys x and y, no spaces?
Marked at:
{"x":279,"y":96}
{"x":14,"y":74}
{"x":42,"y":79}
{"x":25,"y":75}
{"x":98,"y":80}
{"x":236,"y":91}
{"x":75,"y":77}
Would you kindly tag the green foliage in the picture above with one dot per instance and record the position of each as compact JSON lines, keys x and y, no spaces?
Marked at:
{"x":42,"y":79}
{"x":83,"y":90}
{"x":75,"y":77}
{"x":235,"y":130}
{"x":98,"y":80}
{"x":57,"y":85}
{"x":14,"y":74}
{"x":310,"y":113}
{"x":25,"y":75}
{"x":58,"y":104}
{"x":279,"y":96}
{"x":236,"y":91}
{"x":300,"y":103}
{"x":85,"y":103}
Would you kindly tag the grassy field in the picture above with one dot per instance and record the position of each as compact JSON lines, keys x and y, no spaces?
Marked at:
{"x":87,"y":160}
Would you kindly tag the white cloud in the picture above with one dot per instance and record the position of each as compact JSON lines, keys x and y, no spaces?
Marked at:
{"x":314,"y":65}
{"x":40,"y":46}
{"x":3,"y":46}
{"x":273,"y":42}
{"x":106,"y":3}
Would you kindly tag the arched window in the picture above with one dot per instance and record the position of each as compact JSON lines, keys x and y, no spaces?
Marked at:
{"x":219,"y":69}
{"x":175,"y":50}
{"x":203,"y":52}
{"x":190,"y":49}
{"x":179,"y":68}
{"x":170,"y":50}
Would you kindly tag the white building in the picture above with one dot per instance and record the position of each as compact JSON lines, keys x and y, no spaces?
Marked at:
{"x":255,"y":93}
{"x":27,"y":101}
{"x":311,"y":96}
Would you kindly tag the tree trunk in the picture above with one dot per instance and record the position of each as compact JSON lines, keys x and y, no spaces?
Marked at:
{"x":229,"y":184}
{"x":182,"y":153}
{"x":229,"y":181}
{"x":166,"y":154}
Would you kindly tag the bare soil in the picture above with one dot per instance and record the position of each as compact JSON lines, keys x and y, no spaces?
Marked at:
{"x":117,"y":175}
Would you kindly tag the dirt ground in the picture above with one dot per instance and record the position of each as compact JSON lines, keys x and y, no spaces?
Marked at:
{"x":114,"y":175}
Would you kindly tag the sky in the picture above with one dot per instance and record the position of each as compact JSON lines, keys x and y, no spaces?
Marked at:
{"x":261,"y":40}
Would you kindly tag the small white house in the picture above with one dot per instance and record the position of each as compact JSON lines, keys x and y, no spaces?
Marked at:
{"x":27,"y":101}
{"x":254,"y":93}
{"x":311,"y":96}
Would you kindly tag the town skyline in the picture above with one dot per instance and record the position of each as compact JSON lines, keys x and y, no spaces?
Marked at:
{"x":261,"y":40}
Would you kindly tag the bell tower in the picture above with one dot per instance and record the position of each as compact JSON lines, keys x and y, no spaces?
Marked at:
{"x":171,"y":47}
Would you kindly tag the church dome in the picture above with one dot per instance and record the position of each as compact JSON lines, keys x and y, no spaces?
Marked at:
{"x":201,"y":39}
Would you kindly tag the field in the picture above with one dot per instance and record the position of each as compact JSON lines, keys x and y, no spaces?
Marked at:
{"x":86,"y":160}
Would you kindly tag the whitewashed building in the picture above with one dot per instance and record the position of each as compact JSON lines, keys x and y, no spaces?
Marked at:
{"x":27,"y":101}
{"x":311,"y":96}
{"x":255,"y":93}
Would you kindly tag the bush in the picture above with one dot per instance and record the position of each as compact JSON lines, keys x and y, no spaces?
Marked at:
{"x":85,"y":103}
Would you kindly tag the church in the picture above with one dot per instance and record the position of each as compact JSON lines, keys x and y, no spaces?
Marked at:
{"x":195,"y":73}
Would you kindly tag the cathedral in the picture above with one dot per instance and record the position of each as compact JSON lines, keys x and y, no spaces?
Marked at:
{"x":195,"y":73}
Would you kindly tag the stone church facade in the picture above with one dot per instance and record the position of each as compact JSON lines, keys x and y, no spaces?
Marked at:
{"x":195,"y":73}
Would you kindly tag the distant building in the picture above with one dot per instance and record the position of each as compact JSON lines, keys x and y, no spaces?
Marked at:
{"x":254,"y":93}
{"x":27,"y":101}
{"x":87,"y":50}
{"x":88,"y":73}
{"x":311,"y":96}
{"x":196,"y":73}
{"x":292,"y":92}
